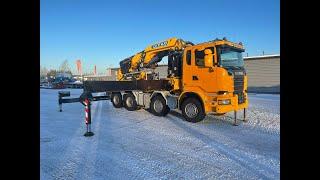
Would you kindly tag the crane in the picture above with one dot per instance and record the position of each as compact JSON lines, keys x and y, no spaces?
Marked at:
{"x":142,"y":64}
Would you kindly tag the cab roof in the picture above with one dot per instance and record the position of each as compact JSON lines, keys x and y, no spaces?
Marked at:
{"x":224,"y":41}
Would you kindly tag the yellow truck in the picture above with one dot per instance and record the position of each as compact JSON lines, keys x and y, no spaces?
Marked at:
{"x":205,"y":78}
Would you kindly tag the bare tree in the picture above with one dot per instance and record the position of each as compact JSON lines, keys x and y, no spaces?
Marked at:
{"x":64,"y":67}
{"x":51,"y":74}
{"x":43,"y":72}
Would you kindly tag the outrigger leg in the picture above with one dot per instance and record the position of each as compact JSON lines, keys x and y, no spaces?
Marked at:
{"x":244,"y":115}
{"x":88,"y":117}
{"x":235,"y":119}
{"x":85,"y":99}
{"x":60,"y":100}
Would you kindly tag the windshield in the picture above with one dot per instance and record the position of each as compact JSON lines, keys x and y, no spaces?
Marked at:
{"x":230,"y":57}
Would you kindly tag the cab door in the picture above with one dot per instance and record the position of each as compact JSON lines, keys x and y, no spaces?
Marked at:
{"x":206,"y":76}
{"x":188,"y":76}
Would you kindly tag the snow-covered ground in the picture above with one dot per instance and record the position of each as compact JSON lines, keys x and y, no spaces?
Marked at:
{"x":138,"y":145}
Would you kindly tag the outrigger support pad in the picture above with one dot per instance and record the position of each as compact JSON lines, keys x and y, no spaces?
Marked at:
{"x":88,"y":134}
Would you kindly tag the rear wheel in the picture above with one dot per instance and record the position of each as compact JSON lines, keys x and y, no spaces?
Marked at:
{"x":130,"y":102}
{"x":158,"y":106}
{"x":116,"y":100}
{"x":192,"y":110}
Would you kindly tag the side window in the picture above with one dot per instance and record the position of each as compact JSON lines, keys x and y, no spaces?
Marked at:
{"x":199,"y":57}
{"x":212,"y":49}
{"x":189,"y":57}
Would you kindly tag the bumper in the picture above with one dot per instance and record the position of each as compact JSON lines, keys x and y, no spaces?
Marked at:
{"x":215,"y":107}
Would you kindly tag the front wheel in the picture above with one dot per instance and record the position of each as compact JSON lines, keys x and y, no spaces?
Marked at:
{"x":192,"y":110}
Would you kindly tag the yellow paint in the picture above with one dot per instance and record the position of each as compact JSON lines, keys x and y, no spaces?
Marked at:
{"x":119,"y":75}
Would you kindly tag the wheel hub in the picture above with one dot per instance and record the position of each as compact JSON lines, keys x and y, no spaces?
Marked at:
{"x":129,"y":102}
{"x":116,"y":99}
{"x":191,"y":110}
{"x":158,"y":106}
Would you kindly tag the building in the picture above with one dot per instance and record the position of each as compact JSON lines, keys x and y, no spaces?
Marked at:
{"x":111,"y":75}
{"x":263,"y":73}
{"x":99,"y":78}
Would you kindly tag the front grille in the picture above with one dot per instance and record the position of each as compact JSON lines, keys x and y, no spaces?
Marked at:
{"x":238,"y":87}
{"x":238,"y":83}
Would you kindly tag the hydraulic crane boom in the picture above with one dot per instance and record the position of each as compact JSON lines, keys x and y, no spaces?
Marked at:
{"x":136,"y":66}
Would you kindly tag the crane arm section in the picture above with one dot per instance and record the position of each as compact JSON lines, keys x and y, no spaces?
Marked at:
{"x":151,"y":55}
{"x":154,"y":53}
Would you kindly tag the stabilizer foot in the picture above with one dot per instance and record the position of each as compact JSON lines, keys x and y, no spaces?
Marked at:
{"x":88,"y":134}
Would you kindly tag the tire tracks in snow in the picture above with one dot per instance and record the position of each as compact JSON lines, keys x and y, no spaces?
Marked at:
{"x":245,"y":161}
{"x":160,"y":152}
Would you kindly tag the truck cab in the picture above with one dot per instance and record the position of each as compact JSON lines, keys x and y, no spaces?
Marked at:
{"x":214,"y":78}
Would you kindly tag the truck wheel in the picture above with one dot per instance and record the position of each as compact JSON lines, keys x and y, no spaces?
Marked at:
{"x":192,"y":110}
{"x":116,"y":100}
{"x":158,"y":106}
{"x":130,"y":102}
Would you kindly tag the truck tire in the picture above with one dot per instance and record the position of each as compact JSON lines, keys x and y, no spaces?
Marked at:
{"x":158,"y":106}
{"x":129,"y":102}
{"x":116,"y":100}
{"x":192,"y":110}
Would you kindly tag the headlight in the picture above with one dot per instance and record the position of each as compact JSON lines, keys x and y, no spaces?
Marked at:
{"x":224,"y":102}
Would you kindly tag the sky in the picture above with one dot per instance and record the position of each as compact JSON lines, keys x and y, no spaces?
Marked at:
{"x":103,"y":33}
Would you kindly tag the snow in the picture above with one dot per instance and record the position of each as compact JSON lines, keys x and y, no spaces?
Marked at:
{"x":138,"y":145}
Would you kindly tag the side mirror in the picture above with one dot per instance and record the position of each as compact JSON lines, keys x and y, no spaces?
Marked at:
{"x":208,"y":58}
